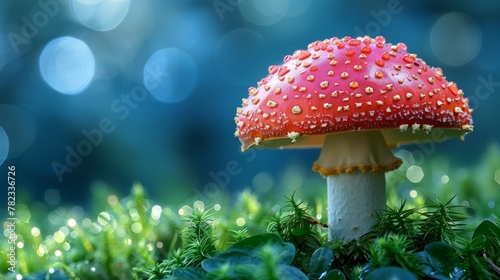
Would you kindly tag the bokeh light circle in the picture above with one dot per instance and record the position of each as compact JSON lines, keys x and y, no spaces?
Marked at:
{"x":35,"y":231}
{"x":455,"y":38}
{"x":236,"y":54}
{"x":67,"y":65}
{"x":407,"y":157}
{"x":240,"y":221}
{"x":20,"y":126}
{"x":170,"y":75}
{"x":415,"y":174}
{"x":445,"y":179}
{"x":52,"y":197}
{"x":100,"y":15}
{"x":104,"y":218}
{"x":413,"y":193}
{"x":263,"y":12}
{"x":263,"y":182}
{"x":199,"y":205}
{"x":4,"y":145}
{"x":497,"y":176}
{"x":297,"y":8}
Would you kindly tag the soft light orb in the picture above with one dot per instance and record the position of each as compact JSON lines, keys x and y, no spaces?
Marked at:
{"x":413,"y":193}
{"x":263,"y":182}
{"x":100,"y":15}
{"x":445,"y":179}
{"x":4,"y":145}
{"x":456,"y":38}
{"x":263,"y":12}
{"x":497,"y":176}
{"x":52,"y":197}
{"x":170,"y":75}
{"x":415,"y":174}
{"x":67,"y":65}
{"x":240,"y":222}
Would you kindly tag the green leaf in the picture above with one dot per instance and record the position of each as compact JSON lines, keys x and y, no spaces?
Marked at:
{"x":334,"y":274}
{"x":247,"y":252}
{"x":249,"y":244}
{"x":390,"y":273}
{"x":442,"y":256}
{"x":291,"y":273}
{"x":231,"y":258}
{"x":299,"y":232}
{"x":490,"y":231}
{"x":321,"y":260}
{"x":190,"y":273}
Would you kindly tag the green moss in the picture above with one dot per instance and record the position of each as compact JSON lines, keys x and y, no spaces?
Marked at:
{"x":437,"y":232}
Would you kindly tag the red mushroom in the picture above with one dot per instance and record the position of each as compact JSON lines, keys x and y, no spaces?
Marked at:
{"x":355,"y":98}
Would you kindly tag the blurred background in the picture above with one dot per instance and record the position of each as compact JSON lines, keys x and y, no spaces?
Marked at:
{"x":99,"y":94}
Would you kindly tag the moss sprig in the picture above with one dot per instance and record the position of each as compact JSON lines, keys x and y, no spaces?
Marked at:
{"x":295,"y":225}
{"x":392,"y":250}
{"x":198,"y":235}
{"x":443,"y":222}
{"x":472,"y":263}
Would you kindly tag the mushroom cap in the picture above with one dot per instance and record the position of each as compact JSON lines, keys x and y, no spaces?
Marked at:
{"x":351,"y":84}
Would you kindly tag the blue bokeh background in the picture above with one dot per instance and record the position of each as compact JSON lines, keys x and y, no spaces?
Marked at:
{"x":147,"y":90}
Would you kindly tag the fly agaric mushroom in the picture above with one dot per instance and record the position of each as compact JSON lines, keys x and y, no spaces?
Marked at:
{"x":355,"y":98}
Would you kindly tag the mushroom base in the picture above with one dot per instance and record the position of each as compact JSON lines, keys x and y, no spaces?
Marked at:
{"x":353,"y":200}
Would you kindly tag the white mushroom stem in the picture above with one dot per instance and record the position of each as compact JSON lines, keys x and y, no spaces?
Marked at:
{"x":354,"y":165}
{"x":352,"y":202}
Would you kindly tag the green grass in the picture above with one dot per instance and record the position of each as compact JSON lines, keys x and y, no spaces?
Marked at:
{"x":140,"y":241}
{"x":437,"y":232}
